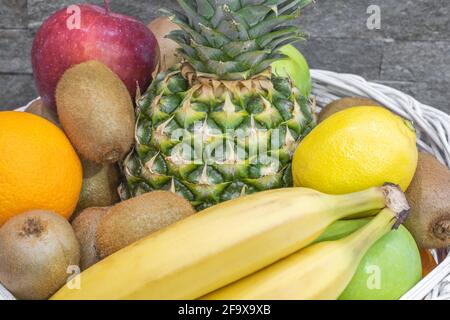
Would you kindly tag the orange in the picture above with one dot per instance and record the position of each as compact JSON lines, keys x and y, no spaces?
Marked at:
{"x":39,"y":169}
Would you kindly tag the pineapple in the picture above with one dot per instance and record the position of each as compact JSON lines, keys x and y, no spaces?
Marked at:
{"x":221,"y":125}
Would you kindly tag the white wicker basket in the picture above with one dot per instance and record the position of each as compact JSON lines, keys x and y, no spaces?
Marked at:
{"x":433,"y":127}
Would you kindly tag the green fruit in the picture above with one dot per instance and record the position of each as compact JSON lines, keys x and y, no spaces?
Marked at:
{"x":389,"y":269}
{"x":294,"y":66}
{"x":342,"y":228}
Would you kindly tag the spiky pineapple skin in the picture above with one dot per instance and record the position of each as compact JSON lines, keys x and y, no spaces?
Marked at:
{"x":197,"y":136}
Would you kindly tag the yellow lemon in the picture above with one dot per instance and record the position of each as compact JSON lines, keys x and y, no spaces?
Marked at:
{"x":356,"y":149}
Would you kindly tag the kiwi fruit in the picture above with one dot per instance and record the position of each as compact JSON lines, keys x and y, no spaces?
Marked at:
{"x":38,"y":108}
{"x":429,"y":197}
{"x":343,"y":104}
{"x":85,"y":227}
{"x":36,"y":249}
{"x":161,"y":27}
{"x":100,"y":183}
{"x":136,"y":218}
{"x":96,"y":112}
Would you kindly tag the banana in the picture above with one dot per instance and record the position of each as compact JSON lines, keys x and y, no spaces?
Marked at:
{"x":319,"y":272}
{"x":223,"y":244}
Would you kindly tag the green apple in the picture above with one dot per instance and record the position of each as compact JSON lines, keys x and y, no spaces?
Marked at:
{"x":389,"y":269}
{"x":294,"y":66}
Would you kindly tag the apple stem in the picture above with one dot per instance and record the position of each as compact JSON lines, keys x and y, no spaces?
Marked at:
{"x":107,"y":10}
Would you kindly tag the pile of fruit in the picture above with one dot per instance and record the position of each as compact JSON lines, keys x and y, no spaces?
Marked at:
{"x":185,"y":160}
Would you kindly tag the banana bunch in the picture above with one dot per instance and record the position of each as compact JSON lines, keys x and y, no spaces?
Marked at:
{"x":236,"y":240}
{"x":319,"y":272}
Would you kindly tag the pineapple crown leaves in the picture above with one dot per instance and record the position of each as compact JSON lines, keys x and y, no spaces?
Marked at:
{"x":234,"y":39}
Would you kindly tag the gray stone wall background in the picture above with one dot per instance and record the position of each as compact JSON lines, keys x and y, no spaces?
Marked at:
{"x":410,"y":52}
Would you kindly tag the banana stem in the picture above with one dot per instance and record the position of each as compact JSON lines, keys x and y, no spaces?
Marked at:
{"x":362,"y":201}
{"x":372,"y":200}
{"x":365,"y":237}
{"x":396,"y":201}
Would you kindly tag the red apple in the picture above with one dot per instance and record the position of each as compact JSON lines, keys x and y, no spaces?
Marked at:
{"x":86,"y":32}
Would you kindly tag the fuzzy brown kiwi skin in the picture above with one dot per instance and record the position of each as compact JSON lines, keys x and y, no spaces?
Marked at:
{"x":429,"y":197}
{"x":343,"y":104}
{"x":36,"y":249}
{"x":100,"y":183}
{"x":136,"y":218}
{"x":96,"y":111}
{"x":85,"y":227}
